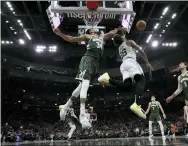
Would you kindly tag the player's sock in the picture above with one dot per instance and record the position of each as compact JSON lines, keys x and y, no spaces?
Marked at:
{"x":124,"y":86}
{"x":82,"y":108}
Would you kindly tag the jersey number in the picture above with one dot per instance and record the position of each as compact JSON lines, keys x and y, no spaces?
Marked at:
{"x":99,"y":45}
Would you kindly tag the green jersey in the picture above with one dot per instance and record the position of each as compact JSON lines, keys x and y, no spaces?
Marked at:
{"x":95,"y":47}
{"x":183,"y":79}
{"x":154,"y":108}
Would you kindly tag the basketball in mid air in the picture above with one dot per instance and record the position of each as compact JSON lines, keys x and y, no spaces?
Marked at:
{"x":141,"y":25}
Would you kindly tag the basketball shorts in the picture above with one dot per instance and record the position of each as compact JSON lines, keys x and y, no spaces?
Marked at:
{"x":129,"y":68}
{"x":154,"y":117}
{"x":88,"y":68}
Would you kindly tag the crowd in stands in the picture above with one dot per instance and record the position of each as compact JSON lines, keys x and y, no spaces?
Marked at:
{"x":115,"y":128}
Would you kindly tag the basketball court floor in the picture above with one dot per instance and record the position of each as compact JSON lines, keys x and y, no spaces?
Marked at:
{"x":137,"y":141}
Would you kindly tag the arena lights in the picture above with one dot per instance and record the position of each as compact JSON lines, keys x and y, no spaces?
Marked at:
{"x":52,"y":48}
{"x":165,"y":10}
{"x":155,"y":43}
{"x":156,"y":25}
{"x":10,"y":6}
{"x":174,"y":15}
{"x":27,"y":35}
{"x":6,"y":42}
{"x":40,"y":48}
{"x":174,"y":44}
{"x":149,"y":38}
{"x":21,"y":41}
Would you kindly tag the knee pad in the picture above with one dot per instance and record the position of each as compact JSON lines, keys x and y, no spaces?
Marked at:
{"x":76,"y":92}
{"x":128,"y":84}
{"x":84,"y":88}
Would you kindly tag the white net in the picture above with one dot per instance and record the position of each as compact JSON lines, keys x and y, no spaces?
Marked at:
{"x":92,"y":19}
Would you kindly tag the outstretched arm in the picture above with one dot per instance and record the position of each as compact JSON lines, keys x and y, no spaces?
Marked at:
{"x":71,"y":38}
{"x":141,"y":53}
{"x":185,"y":112}
{"x":178,"y":91}
{"x":149,"y":106}
{"x":111,"y":33}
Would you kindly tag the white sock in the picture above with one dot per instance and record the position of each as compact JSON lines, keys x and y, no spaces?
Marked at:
{"x":82,"y":108}
{"x":68,"y":103}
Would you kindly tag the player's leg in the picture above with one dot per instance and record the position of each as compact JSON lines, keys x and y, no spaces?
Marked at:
{"x":87,"y":67}
{"x":136,"y":73}
{"x":73,"y":128}
{"x":150,"y":129}
{"x":126,"y":84}
{"x":158,"y":118}
{"x":64,"y":108}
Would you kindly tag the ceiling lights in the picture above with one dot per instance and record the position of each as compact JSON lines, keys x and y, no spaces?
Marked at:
{"x":155,"y":43}
{"x":21,"y":41}
{"x":174,"y":44}
{"x":27,"y":35}
{"x":165,"y":10}
{"x":6,"y":42}
{"x":173,"y":15}
{"x":149,"y":38}
{"x":52,"y":48}
{"x":156,"y":25}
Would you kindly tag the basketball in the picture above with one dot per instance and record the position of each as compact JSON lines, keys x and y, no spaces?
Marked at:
{"x":141,"y":25}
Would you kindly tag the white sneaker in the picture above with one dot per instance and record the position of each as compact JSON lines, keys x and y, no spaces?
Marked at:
{"x":85,"y":121}
{"x":163,"y":137}
{"x":151,"y":136}
{"x":104,"y":78}
{"x":186,"y":135}
{"x":63,"y":111}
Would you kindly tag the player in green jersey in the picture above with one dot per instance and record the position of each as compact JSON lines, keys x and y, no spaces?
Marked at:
{"x":88,"y":67}
{"x":182,"y":86}
{"x":155,"y":107}
{"x":182,"y":82}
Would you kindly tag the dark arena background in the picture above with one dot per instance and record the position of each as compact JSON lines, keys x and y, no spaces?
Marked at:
{"x":38,"y":70}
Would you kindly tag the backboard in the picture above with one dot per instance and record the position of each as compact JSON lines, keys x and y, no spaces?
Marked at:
{"x":120,"y":11}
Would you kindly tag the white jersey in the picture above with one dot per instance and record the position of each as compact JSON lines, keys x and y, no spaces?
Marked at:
{"x":126,"y":51}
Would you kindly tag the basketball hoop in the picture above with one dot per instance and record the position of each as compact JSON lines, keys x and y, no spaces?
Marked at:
{"x":92,"y":19}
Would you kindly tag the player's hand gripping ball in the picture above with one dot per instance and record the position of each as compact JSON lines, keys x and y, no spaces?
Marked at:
{"x":141,"y":25}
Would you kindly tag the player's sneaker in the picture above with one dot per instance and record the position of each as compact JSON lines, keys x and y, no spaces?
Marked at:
{"x":104,"y":78}
{"x":186,"y":135}
{"x":138,"y":110}
{"x":63,"y":111}
{"x":163,"y":137}
{"x":84,"y":121}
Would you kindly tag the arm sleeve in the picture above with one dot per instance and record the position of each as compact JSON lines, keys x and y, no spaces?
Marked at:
{"x":180,"y":88}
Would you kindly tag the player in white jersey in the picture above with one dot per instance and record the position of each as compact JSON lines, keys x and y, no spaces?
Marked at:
{"x":130,"y":69}
{"x":71,"y":119}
